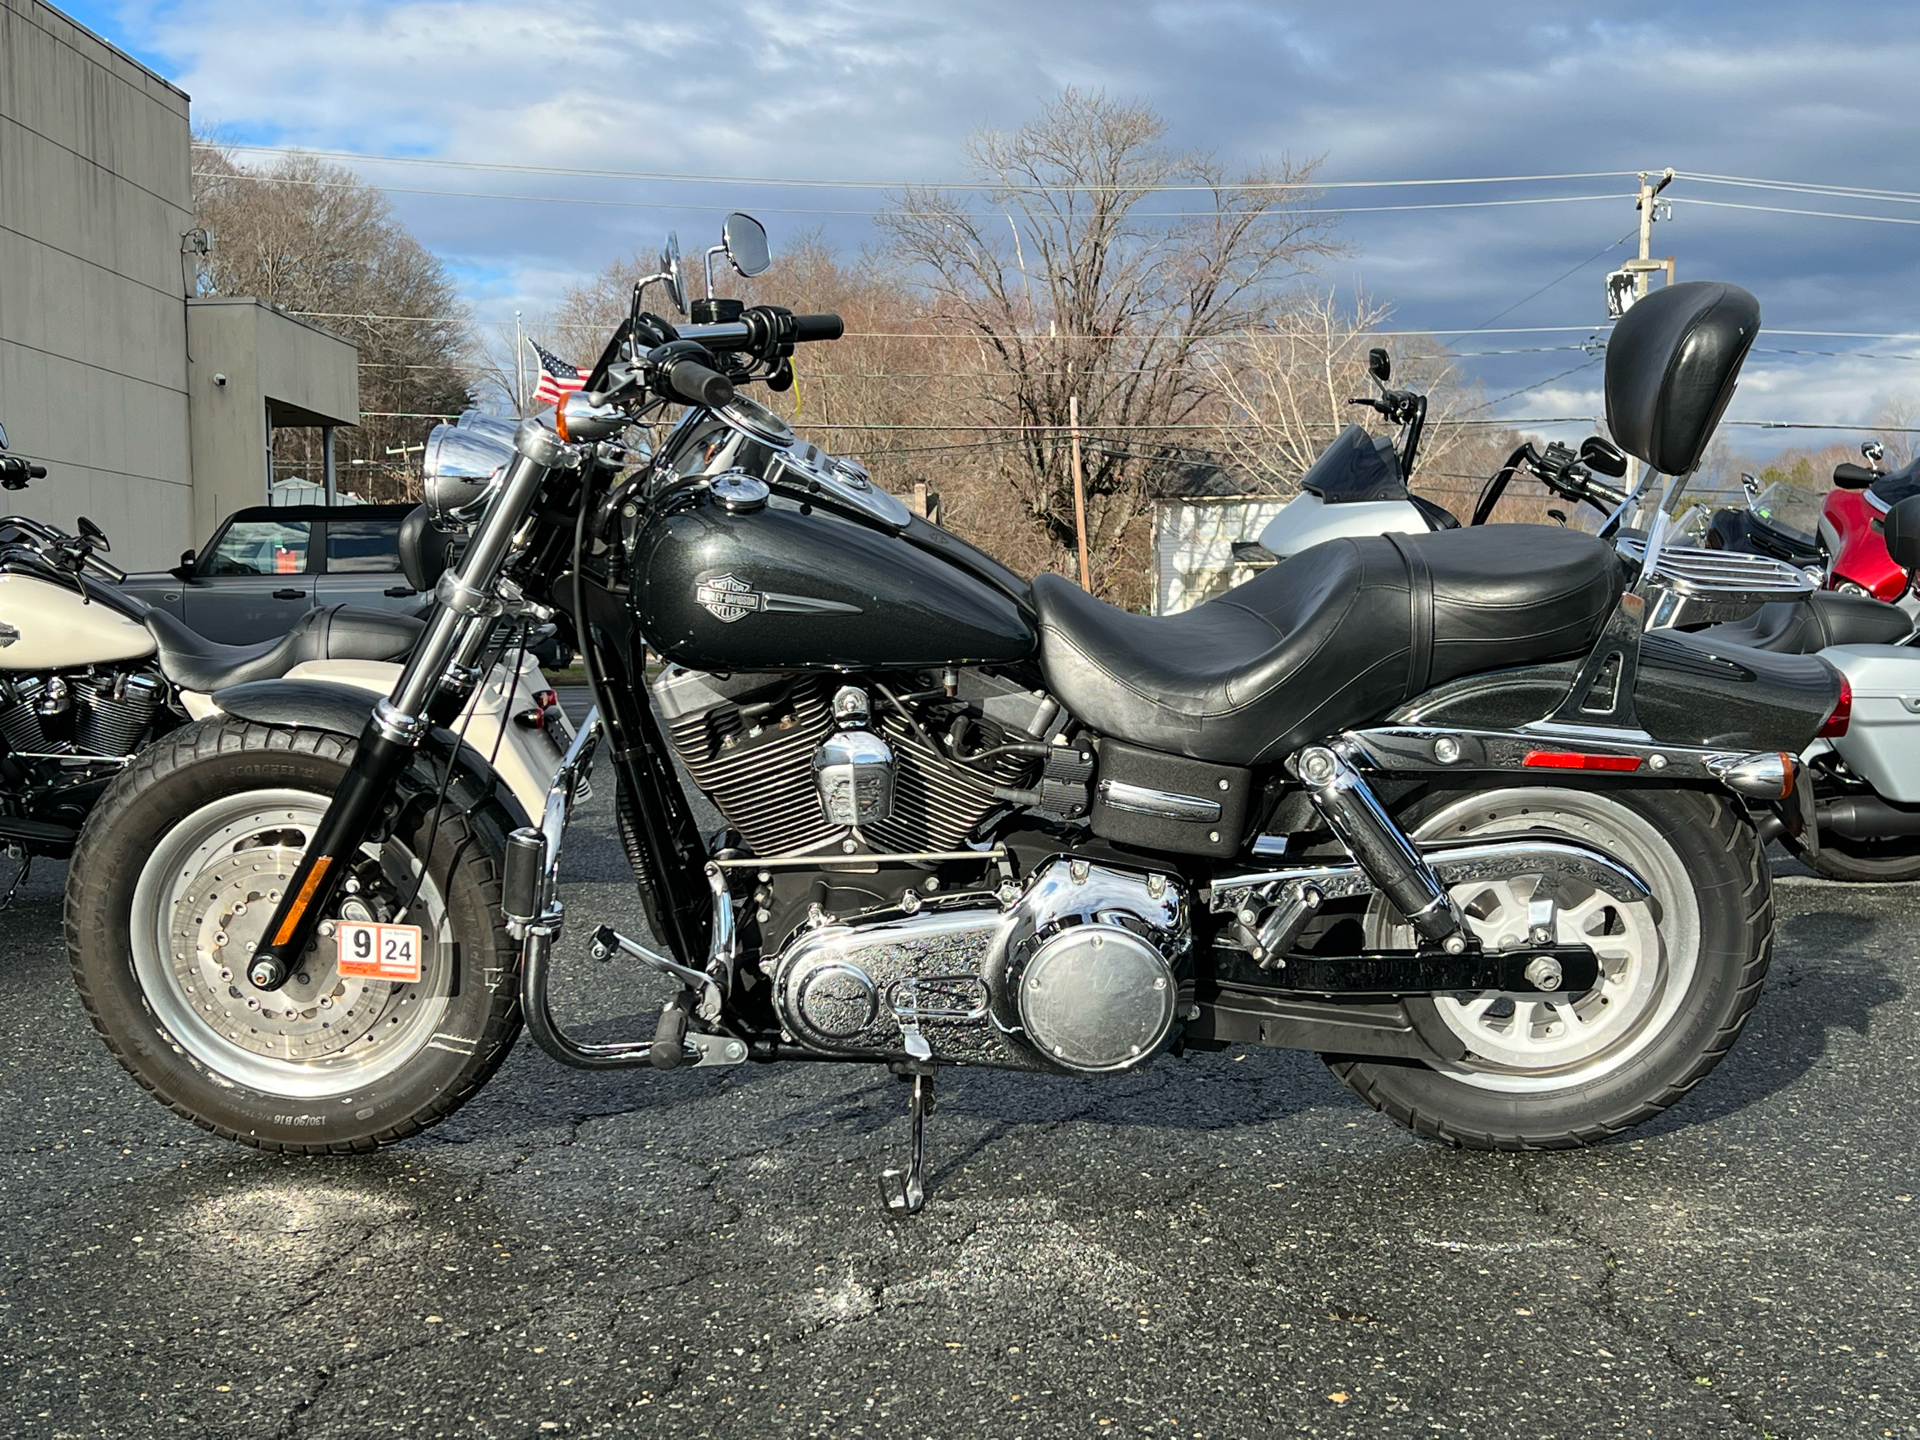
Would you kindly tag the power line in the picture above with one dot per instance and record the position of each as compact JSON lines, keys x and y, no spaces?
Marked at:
{"x":1808,"y":187}
{"x":1789,"y":210}
{"x":663,"y":176}
{"x":1558,"y":278}
{"x":357,"y":184}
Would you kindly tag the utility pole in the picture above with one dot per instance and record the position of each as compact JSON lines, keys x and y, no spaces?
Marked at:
{"x":1641,"y":270}
{"x":1079,"y":494}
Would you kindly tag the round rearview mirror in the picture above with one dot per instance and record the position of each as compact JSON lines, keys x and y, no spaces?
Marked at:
{"x":745,"y":241}
{"x":675,"y":277}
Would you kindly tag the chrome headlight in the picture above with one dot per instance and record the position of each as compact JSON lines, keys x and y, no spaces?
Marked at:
{"x":464,"y":465}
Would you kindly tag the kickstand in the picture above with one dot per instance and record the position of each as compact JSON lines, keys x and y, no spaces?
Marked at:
{"x":906,"y":1193}
{"x":19,"y":878}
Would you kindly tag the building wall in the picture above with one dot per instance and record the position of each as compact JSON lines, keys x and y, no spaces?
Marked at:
{"x":269,"y":361}
{"x":1193,"y":544}
{"x":95,"y":194}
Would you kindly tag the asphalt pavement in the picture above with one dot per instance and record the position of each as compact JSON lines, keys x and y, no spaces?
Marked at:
{"x":1225,"y":1245}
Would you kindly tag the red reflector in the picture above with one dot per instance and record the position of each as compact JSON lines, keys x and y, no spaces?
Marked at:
{"x":1840,"y":716}
{"x":1574,"y":760}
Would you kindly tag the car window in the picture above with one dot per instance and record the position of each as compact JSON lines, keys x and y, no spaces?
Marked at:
{"x":358,"y":545}
{"x":260,"y":547}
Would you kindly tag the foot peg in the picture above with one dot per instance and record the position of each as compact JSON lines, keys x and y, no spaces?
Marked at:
{"x":905,"y":1192}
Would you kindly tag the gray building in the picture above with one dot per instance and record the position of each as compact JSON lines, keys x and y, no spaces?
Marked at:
{"x":152,"y":409}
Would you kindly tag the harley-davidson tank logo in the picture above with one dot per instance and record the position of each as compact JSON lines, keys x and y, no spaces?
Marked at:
{"x":730,"y":598}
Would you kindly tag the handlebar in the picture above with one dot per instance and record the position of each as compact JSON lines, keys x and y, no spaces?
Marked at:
{"x":1849,"y":476}
{"x":15,"y":472}
{"x":696,"y":384}
{"x":818,"y":327}
{"x":70,"y":552}
{"x":761,"y":327}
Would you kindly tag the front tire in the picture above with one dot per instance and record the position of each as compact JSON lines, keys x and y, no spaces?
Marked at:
{"x":1681,"y":973}
{"x":178,"y":867}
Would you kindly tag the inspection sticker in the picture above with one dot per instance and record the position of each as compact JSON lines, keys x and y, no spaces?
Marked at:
{"x":379,"y":952}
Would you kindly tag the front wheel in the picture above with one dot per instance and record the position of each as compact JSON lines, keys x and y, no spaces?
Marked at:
{"x":1680,"y":972}
{"x":172,"y":884}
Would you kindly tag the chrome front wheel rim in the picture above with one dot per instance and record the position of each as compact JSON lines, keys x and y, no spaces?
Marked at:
{"x":208,"y":889}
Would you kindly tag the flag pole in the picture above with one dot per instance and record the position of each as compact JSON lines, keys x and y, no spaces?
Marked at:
{"x":519,"y":367}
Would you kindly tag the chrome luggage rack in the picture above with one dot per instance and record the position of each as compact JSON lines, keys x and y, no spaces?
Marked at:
{"x":1705,"y":585}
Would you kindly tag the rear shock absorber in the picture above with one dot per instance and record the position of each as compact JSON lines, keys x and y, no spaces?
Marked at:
{"x":1361,"y":823}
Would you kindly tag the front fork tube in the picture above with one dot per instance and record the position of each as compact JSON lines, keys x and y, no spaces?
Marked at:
{"x":444,"y":657}
{"x":368,"y":786}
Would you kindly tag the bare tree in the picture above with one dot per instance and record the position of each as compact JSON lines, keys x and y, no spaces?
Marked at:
{"x":311,"y":238}
{"x":1289,"y":383}
{"x":1899,"y":416}
{"x":1071,"y":287}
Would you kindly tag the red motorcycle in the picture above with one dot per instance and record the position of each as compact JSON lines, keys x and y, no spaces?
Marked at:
{"x":1850,"y":526}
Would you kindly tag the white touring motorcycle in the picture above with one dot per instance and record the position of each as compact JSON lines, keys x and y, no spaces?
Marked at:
{"x":1864,"y":769}
{"x":90,"y":675}
{"x":1432,"y":806}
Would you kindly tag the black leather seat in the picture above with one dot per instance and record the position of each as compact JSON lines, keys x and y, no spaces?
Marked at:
{"x":1802,"y":627}
{"x":340,"y":632}
{"x":1331,"y":637}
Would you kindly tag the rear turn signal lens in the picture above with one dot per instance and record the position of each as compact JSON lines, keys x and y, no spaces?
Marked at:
{"x":1575,"y":760}
{"x":1840,"y":716}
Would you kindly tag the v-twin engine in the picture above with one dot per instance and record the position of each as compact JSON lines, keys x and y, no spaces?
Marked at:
{"x":1088,"y":970}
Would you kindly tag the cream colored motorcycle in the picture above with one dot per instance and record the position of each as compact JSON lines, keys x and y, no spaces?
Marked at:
{"x":89,"y":675}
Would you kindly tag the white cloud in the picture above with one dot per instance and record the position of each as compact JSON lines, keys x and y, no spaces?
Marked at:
{"x":887,"y":89}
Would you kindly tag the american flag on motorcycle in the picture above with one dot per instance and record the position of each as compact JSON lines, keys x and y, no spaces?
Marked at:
{"x":557,"y":378}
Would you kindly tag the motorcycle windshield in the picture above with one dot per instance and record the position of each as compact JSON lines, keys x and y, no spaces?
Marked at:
{"x":1356,"y":467}
{"x":1778,"y":507}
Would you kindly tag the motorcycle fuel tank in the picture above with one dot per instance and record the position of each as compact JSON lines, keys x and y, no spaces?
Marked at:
{"x":784,"y":586}
{"x":48,"y":626}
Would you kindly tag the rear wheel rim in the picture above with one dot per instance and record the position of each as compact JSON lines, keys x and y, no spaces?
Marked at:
{"x":1648,"y":952}
{"x":209,"y":885}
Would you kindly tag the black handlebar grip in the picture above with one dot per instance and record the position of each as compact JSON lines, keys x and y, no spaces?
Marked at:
{"x":698,"y":385}
{"x":1853,"y":477}
{"x":36,"y":472}
{"x":818,"y":327}
{"x":115,"y":575}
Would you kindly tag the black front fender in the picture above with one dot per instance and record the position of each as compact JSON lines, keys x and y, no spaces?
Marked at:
{"x":344,"y":710}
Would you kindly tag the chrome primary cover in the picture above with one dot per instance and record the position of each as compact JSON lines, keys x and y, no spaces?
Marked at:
{"x":1082,"y":973}
{"x":1090,"y":972}
{"x":841,"y":988}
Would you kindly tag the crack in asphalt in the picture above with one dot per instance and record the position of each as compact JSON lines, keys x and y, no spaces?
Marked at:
{"x":1606,"y":1305}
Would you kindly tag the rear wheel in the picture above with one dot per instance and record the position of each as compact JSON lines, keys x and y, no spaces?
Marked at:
{"x":174,"y":880}
{"x":1679,"y":973}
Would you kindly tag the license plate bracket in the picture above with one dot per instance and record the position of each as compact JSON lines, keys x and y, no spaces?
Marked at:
{"x":370,"y":951}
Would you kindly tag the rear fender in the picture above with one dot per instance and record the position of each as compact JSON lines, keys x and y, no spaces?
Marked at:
{"x":1685,"y":693}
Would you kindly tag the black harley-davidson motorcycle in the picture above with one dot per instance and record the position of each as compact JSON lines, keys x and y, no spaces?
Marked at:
{"x":1434,"y":806}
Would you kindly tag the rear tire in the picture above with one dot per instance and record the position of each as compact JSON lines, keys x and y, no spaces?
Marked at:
{"x":174,"y":870}
{"x":1682,"y":977}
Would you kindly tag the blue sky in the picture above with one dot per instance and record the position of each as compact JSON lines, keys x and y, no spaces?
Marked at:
{"x":886,"y":90}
